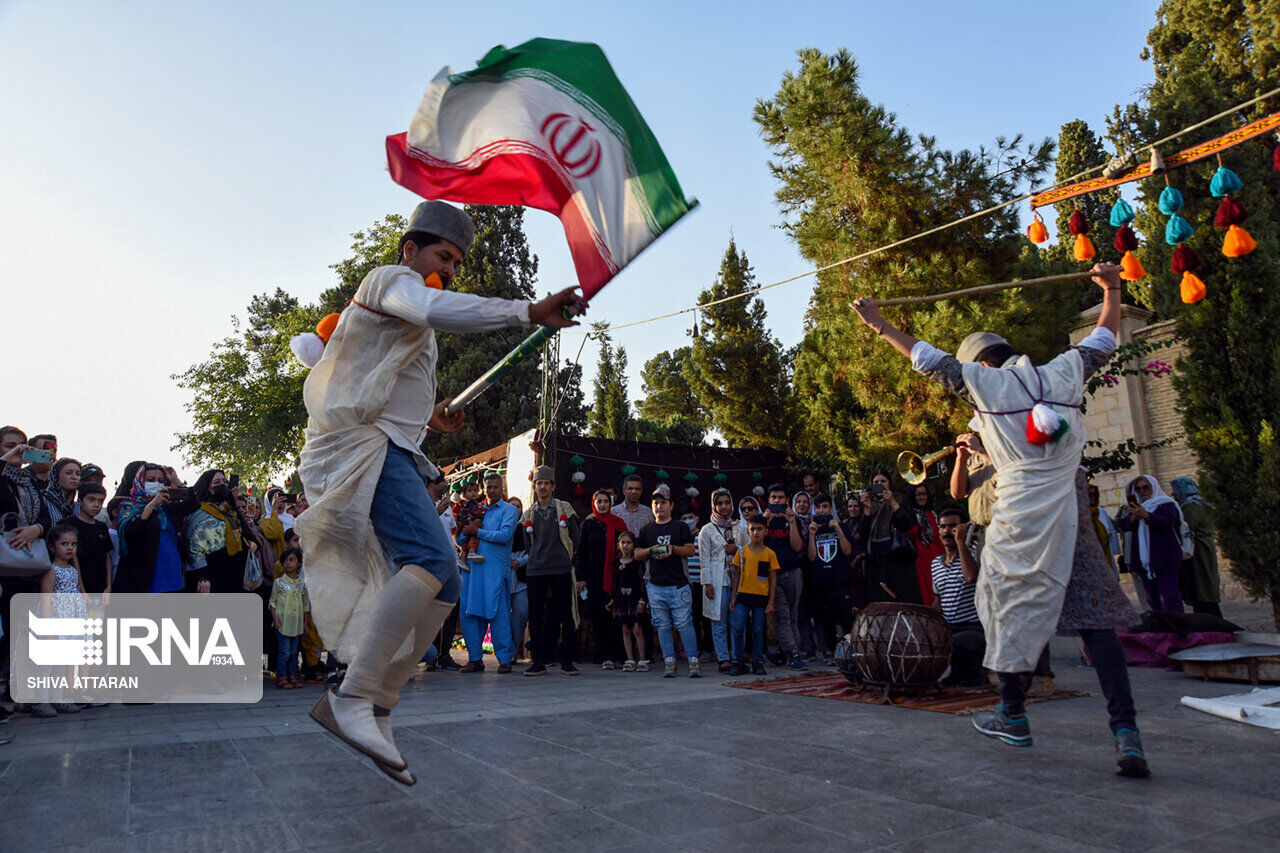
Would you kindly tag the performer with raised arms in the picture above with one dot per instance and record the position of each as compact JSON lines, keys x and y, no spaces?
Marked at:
{"x":1029,"y":419}
{"x":381,"y":571}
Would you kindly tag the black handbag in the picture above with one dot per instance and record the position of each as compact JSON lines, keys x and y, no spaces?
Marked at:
{"x":901,"y":547}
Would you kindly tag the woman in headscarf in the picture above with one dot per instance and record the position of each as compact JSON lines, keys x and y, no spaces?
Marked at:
{"x":148,"y":532}
{"x":594,"y":561}
{"x":1199,"y":579}
{"x":891,"y":561}
{"x":1156,"y":553}
{"x":217,"y":538}
{"x":748,"y":508}
{"x":857,"y":560}
{"x":810,"y":636}
{"x":60,"y":494}
{"x":925,"y":536}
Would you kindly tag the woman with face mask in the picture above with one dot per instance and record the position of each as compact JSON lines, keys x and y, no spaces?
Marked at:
{"x":148,"y":531}
{"x":217,"y":538}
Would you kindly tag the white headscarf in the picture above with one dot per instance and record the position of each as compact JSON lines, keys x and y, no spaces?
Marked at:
{"x":1157,"y":498}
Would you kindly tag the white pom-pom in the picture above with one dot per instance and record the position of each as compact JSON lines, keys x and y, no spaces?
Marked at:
{"x":578,"y":477}
{"x":758,"y":491}
{"x":1046,"y":419}
{"x":307,"y":348}
{"x":691,"y":492}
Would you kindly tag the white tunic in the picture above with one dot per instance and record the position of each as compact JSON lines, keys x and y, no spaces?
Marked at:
{"x":376,"y":382}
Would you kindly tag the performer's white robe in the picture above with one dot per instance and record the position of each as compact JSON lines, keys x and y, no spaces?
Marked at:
{"x":1026,"y":560}
{"x":375,"y":384}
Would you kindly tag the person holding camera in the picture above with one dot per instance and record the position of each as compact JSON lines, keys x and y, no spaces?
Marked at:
{"x":890,"y":566}
{"x":148,"y":529}
{"x":24,"y":517}
{"x":217,"y":538}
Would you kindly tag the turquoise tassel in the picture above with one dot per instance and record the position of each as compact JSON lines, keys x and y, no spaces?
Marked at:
{"x":1121,"y":213}
{"x":1224,"y":182}
{"x":1170,"y":201}
{"x":1178,"y":230}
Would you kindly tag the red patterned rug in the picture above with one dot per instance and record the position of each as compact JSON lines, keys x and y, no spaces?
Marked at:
{"x":942,"y":700}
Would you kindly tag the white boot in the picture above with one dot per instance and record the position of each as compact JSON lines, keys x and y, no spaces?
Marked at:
{"x":351,"y":718}
{"x":404,"y":777}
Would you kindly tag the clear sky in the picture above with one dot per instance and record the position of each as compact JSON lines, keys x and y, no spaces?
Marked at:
{"x":161,"y":163}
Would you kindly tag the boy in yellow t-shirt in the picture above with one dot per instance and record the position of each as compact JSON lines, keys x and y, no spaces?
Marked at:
{"x":754,"y":580}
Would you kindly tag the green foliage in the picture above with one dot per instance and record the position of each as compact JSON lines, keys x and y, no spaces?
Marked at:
{"x":736,"y":368}
{"x":668,"y":392}
{"x":850,"y":178}
{"x":246,"y":407}
{"x":673,"y":429}
{"x":1207,"y":55}
{"x":610,"y":415}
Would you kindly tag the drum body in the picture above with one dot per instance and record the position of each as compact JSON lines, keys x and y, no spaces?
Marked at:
{"x":900,"y":645}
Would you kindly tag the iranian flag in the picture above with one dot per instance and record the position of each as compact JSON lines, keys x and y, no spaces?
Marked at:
{"x":547,"y":125}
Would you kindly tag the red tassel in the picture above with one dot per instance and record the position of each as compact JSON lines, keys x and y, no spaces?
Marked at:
{"x":1185,"y":259}
{"x":1230,"y":212}
{"x":1275,"y":159}
{"x":1078,"y":225}
{"x":1126,"y":240}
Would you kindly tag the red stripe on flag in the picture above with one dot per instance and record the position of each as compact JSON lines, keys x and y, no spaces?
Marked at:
{"x":508,"y":178}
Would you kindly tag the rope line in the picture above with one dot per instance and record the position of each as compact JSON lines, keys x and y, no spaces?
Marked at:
{"x":935,"y":229}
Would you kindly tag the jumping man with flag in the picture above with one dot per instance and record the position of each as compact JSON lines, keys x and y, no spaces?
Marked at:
{"x":546,"y":125}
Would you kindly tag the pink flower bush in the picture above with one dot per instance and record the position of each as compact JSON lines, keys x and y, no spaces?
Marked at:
{"x":1110,"y":380}
{"x":1158,"y":368}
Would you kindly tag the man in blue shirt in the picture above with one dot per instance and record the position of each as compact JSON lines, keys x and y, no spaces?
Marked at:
{"x":486,"y":596}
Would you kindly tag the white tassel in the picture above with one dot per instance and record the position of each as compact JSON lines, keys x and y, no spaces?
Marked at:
{"x":307,"y":348}
{"x":1157,"y":162}
{"x":1046,"y":419}
{"x":578,"y":477}
{"x":691,"y":492}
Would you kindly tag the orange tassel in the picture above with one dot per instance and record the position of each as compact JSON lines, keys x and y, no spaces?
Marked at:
{"x":1083,"y":249}
{"x":1037,"y":232}
{"x":326,"y":326}
{"x":1192,"y":288}
{"x":433,"y":281}
{"x":1238,"y":242}
{"x":1131,"y":268}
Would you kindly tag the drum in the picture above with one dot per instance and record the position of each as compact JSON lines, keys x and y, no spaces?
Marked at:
{"x":900,"y":645}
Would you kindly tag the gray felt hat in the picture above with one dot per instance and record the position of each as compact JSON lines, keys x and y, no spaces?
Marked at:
{"x":972,"y":346}
{"x":443,"y":220}
{"x":544,"y":472}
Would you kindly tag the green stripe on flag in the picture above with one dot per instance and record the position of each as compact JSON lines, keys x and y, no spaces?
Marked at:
{"x":581,"y":71}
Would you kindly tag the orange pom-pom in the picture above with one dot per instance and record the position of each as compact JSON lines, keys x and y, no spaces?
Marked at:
{"x":1083,"y":249}
{"x":1037,"y":232}
{"x":1192,"y":288}
{"x":326,"y":326}
{"x":1131,"y":268}
{"x":1238,"y":242}
{"x":433,"y":281}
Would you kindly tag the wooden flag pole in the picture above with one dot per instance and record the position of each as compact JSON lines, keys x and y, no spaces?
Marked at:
{"x":982,"y":288}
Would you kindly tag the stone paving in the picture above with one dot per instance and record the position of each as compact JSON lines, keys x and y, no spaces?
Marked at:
{"x":632,"y":761}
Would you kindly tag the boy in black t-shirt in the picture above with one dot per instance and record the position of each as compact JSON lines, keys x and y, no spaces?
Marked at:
{"x":829,"y":550}
{"x":786,"y":540}
{"x":664,"y":543}
{"x":93,"y":553}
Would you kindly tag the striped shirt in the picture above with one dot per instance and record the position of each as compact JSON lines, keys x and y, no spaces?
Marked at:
{"x":955,"y":594}
{"x":634,"y":519}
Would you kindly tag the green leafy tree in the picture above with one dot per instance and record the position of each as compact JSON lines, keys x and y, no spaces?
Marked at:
{"x":610,"y":415}
{"x":1207,"y":56}
{"x":246,"y":398}
{"x":737,"y":369}
{"x":670,"y":410}
{"x":851,"y":178}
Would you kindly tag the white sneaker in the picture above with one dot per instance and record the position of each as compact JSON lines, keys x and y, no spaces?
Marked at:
{"x":642,"y":666}
{"x":608,"y":665}
{"x":629,"y":666}
{"x":351,"y":718}
{"x":475,"y":557}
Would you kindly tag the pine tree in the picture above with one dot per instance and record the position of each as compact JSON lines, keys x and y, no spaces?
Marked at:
{"x":1208,"y":56}
{"x":737,"y":372}
{"x":670,"y":410}
{"x":850,"y":179}
{"x":610,"y":415}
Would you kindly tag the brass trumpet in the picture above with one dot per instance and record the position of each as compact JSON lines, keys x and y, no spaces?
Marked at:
{"x":912,"y":467}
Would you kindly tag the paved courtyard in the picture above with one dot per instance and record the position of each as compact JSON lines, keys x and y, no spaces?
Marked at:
{"x":630,"y":761}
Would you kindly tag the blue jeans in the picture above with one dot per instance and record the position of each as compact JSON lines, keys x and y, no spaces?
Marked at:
{"x":405,"y":519}
{"x":672,"y":609}
{"x":286,"y":655}
{"x":720,"y":630}
{"x":740,"y":613}
{"x":519,"y":617}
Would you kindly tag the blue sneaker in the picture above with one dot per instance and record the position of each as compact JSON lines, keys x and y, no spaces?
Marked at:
{"x":797,"y":662}
{"x":1015,"y":731}
{"x":1130,"y":759}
